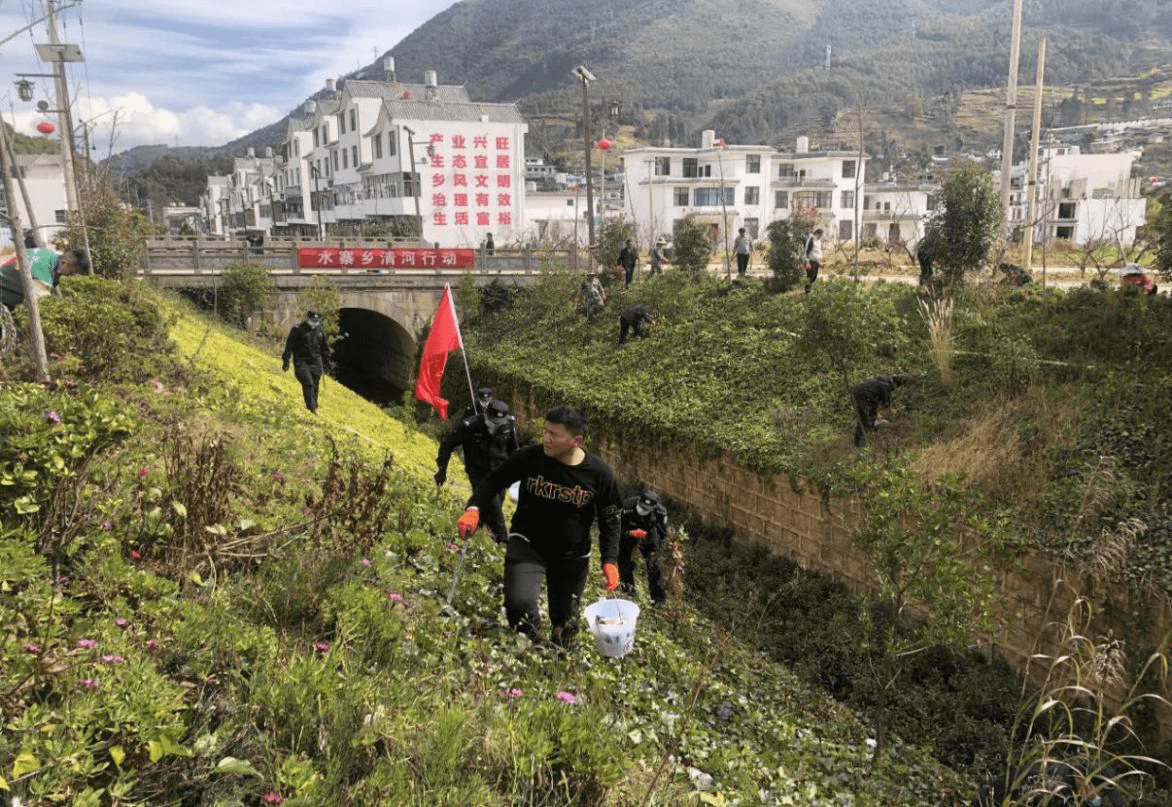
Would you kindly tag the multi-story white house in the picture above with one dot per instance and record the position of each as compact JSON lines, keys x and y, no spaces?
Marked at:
{"x":727,"y":187}
{"x":1084,"y":198}
{"x":895,"y":211}
{"x":44,"y":180}
{"x":408,"y":158}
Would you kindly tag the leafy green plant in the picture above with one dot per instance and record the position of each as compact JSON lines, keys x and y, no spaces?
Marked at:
{"x":786,"y":240}
{"x":117,"y":233}
{"x":692,"y":249}
{"x":246,"y":290}
{"x":965,"y":225}
{"x":322,"y":295}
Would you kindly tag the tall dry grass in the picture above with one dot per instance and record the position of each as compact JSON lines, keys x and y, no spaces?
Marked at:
{"x":937,"y":314}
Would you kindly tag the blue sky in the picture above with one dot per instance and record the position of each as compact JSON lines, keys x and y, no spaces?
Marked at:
{"x":195,"y":72}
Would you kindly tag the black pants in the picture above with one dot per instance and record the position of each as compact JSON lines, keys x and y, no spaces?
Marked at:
{"x":867,"y":411}
{"x":742,"y":263}
{"x":925,"y":271}
{"x":565,"y":579}
{"x":625,"y":326}
{"x":491,"y":513}
{"x":629,"y":271}
{"x":309,"y":374}
{"x":812,"y":273}
{"x":649,"y":549}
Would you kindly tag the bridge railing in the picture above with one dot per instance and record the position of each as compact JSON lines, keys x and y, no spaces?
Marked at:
{"x":180,"y":255}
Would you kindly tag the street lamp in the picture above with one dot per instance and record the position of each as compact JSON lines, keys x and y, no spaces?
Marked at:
{"x":316,"y":200}
{"x":580,"y":72}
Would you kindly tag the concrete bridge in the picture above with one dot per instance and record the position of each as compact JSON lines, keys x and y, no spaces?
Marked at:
{"x":389,"y":291}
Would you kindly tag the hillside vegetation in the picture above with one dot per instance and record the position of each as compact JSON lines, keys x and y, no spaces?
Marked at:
{"x":210,"y":596}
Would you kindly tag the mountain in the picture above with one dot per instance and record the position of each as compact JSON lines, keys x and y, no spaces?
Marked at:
{"x":764,"y":71}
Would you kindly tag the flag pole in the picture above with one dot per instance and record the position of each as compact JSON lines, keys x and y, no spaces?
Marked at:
{"x":460,"y":338}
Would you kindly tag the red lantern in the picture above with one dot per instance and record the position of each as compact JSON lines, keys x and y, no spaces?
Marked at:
{"x":604,"y":144}
{"x":46,"y":128}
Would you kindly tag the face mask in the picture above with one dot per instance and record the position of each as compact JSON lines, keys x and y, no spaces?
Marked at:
{"x":491,"y":425}
{"x":642,"y":509}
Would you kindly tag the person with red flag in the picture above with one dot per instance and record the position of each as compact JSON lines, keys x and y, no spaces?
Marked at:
{"x":443,"y":338}
{"x":563,"y":491}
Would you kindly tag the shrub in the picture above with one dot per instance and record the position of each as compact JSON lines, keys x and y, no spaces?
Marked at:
{"x":117,"y":234}
{"x":786,"y":240}
{"x":247,"y":287}
{"x":323,"y":297}
{"x":692,"y":247}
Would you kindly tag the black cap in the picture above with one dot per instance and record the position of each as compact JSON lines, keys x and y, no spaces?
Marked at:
{"x":484,"y":392}
{"x":649,"y":498}
{"x":497,"y":410}
{"x":312,"y":315}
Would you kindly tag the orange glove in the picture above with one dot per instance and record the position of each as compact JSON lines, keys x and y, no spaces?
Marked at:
{"x":638,"y":533}
{"x":469,"y":522}
{"x":611,"y":573}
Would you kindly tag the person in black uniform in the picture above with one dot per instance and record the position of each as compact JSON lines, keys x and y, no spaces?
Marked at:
{"x":483,"y":399}
{"x":869,"y":396}
{"x":488,"y":440}
{"x":628,"y":259}
{"x":643,"y":524}
{"x":564,"y":490}
{"x":307,"y":346}
{"x":633,"y":318}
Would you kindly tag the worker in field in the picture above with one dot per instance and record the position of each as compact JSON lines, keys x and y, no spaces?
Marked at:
{"x":870,"y":397}
{"x":642,"y":526}
{"x":487,"y":440}
{"x":309,"y":349}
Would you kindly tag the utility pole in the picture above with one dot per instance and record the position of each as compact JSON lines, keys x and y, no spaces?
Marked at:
{"x":580,"y":72}
{"x":28,"y":205}
{"x":59,"y":53}
{"x":1032,"y":192}
{"x":1010,"y":116}
{"x":36,"y":334}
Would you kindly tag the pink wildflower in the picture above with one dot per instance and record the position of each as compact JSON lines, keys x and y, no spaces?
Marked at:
{"x":321,"y":647}
{"x":366,"y":561}
{"x":566,"y":697}
{"x":120,"y":622}
{"x":32,"y":648}
{"x":278,"y":476}
{"x":113,"y":659}
{"x":272,"y":797}
{"x":453,"y":548}
{"x":52,"y":417}
{"x":152,"y":644}
{"x":87,"y":643}
{"x":394,"y":596}
{"x":134,"y":554}
{"x":70,"y":383}
{"x":106,"y":524}
{"x":156,"y":383}
{"x":54,"y":355}
{"x":307,"y":512}
{"x":90,"y":683}
{"x":143,"y":472}
{"x":514,"y":692}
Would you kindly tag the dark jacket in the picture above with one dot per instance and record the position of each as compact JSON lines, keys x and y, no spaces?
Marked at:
{"x":636,"y":313}
{"x":483,"y":452}
{"x":875,"y":392}
{"x":628,"y":257}
{"x":558,"y":503}
{"x":654,"y":523}
{"x":306,"y":345}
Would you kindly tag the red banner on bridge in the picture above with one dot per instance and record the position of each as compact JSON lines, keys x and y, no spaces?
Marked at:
{"x":336,"y":258}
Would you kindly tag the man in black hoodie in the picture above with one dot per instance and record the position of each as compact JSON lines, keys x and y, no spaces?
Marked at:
{"x":564,"y":490}
{"x":869,"y":396}
{"x":307,"y":346}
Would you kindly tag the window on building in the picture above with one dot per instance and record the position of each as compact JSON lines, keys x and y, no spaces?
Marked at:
{"x":59,"y":216}
{"x":867,"y":202}
{"x":344,"y":160}
{"x":353,"y":119}
{"x":781,"y":199}
{"x":663,"y":166}
{"x":325,"y":134}
{"x":334,"y":153}
{"x":569,"y":203}
{"x":410,"y":183}
{"x":341,"y":123}
{"x":870,"y":230}
{"x":848,"y":199}
{"x":785,"y":170}
{"x":354,"y":156}
{"x":845,"y":229}
{"x":753,"y":164}
{"x":709,"y":197}
{"x":376,"y":146}
{"x":680,"y":197}
{"x":391,"y":141}
{"x":691,"y":168}
{"x":848,"y":169}
{"x":752,"y":226}
{"x":1066,"y":211}
{"x":296,"y":148}
{"x":752,"y":195}
{"x":316,"y":143}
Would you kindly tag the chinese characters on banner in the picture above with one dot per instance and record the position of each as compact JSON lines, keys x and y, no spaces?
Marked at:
{"x":335,"y":258}
{"x":471,"y":180}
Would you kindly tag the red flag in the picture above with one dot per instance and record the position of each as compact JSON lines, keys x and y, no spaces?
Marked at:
{"x":443,"y":338}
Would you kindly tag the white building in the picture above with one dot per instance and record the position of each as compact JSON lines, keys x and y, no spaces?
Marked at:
{"x":895,"y":211}
{"x":44,"y":180}
{"x":1084,"y":198}
{"x":727,"y":187}
{"x":397,"y":159}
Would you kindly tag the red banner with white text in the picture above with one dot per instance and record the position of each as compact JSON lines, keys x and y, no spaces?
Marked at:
{"x":371,"y":259}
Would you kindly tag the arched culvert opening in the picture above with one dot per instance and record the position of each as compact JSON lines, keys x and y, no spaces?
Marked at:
{"x":374,"y":355}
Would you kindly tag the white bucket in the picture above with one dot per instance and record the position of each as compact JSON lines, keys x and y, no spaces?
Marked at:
{"x":612,"y":622}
